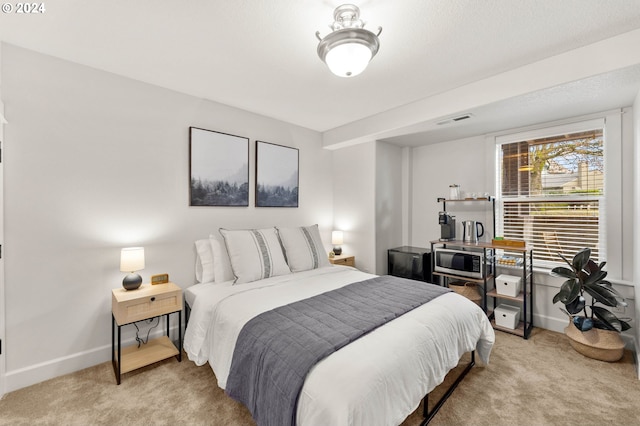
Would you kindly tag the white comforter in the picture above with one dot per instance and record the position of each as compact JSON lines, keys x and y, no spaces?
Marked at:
{"x":378,"y":379}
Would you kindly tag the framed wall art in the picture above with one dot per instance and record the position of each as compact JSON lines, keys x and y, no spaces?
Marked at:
{"x":218,"y":168}
{"x":276,"y":175}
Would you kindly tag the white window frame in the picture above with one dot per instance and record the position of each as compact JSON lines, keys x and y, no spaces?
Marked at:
{"x":611,"y":229}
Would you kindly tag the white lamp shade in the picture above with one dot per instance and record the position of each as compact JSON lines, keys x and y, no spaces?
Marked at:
{"x":348,"y":59}
{"x":132,"y":259}
{"x":336,"y":238}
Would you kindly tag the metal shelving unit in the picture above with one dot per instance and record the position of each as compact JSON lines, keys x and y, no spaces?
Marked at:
{"x":490,"y":253}
{"x":525,"y":298}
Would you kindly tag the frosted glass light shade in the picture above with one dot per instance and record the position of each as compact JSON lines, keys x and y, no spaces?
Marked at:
{"x":131,"y":259}
{"x":336,"y":238}
{"x":348,"y":59}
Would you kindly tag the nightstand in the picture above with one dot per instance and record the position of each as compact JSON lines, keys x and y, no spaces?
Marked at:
{"x":147,"y":302}
{"x":343,"y":260}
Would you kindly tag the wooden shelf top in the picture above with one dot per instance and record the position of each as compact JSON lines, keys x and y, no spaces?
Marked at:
{"x":463,"y":278}
{"x":134,"y":357}
{"x":481,"y":244}
{"x":518,"y":331}
{"x":458,"y":200}
{"x":494,"y":293}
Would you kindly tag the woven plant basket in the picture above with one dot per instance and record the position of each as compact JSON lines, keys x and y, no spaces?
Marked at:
{"x":603,"y":345}
{"x":468,"y":290}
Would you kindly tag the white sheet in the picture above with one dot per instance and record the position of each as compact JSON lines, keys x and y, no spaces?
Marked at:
{"x":192,"y":292}
{"x":378,"y":379}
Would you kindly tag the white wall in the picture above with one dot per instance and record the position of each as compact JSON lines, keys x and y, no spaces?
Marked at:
{"x":437,"y":166}
{"x":354,"y":179}
{"x":636,"y":220}
{"x":2,"y":304}
{"x":389,"y":202}
{"x":95,"y":162}
{"x":368,"y":200}
{"x":407,"y":198}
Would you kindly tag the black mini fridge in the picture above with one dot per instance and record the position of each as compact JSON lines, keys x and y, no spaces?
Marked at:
{"x":410,"y":262}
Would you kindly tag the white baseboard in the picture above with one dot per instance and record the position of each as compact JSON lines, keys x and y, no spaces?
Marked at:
{"x":27,"y":376}
{"x":550,"y":323}
{"x":33,"y":374}
{"x":555,"y":324}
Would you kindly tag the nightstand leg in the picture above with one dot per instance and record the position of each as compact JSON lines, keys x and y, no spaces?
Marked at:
{"x":119,"y":355}
{"x":116,"y":364}
{"x":113,"y":344}
{"x":179,"y":336}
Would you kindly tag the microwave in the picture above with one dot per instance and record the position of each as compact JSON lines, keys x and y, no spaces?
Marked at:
{"x":459,"y":262}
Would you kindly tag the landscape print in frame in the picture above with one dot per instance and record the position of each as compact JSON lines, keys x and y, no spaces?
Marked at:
{"x":218,"y":168}
{"x":276,"y":175}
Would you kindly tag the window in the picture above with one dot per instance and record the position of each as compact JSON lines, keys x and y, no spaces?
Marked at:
{"x":552,"y":192}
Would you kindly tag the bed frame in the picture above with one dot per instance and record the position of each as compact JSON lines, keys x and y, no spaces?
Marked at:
{"x":428,"y":415}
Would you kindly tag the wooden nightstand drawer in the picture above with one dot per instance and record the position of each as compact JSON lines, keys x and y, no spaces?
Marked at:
{"x":146,"y":302}
{"x":343,"y":260}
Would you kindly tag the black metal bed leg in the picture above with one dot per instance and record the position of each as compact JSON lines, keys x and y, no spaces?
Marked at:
{"x":187,"y":313}
{"x":428,"y":415}
{"x":425,"y":406}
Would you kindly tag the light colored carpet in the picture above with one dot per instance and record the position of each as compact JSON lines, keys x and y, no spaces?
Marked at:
{"x":540,"y":381}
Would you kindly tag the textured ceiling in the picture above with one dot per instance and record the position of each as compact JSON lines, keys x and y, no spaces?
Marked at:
{"x":596,"y":94}
{"x":260,"y":55}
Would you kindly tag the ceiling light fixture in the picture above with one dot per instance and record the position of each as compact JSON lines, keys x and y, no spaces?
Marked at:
{"x":349,"y":48}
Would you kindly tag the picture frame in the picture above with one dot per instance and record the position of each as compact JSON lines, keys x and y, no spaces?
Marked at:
{"x":218,"y":169}
{"x":277,"y":175}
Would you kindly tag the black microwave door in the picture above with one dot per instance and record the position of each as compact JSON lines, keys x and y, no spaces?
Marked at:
{"x":460,"y":262}
{"x":456,"y":261}
{"x":450,"y":260}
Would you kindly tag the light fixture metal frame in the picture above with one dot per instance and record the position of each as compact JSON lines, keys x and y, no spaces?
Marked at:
{"x":348,"y":35}
{"x":348,"y":28}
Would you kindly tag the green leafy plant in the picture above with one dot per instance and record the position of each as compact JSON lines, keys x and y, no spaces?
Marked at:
{"x":585,"y":276}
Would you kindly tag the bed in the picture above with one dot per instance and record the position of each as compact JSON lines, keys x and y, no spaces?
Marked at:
{"x":379,"y":379}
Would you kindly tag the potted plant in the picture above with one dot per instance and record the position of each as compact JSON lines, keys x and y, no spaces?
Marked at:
{"x":596,"y":332}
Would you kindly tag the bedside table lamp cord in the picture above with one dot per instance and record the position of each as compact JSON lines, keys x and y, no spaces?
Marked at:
{"x":144,"y":341}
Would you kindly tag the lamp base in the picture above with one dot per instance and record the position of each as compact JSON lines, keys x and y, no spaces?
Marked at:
{"x":131,"y":281}
{"x":337,"y":251}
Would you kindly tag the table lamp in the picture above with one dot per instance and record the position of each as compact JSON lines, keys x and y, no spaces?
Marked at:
{"x":132,"y":260}
{"x":336,"y":240}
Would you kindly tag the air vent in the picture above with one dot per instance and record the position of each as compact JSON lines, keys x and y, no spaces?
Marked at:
{"x":455,"y":119}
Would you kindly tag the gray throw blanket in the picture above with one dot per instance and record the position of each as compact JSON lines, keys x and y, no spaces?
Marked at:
{"x":276,"y":349}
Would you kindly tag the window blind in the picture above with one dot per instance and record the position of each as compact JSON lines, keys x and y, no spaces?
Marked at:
{"x":552,"y":194}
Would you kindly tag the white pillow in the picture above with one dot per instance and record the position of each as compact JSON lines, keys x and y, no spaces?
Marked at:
{"x":303,"y":248}
{"x":221,"y":264}
{"x":204,"y":261}
{"x":255,"y":254}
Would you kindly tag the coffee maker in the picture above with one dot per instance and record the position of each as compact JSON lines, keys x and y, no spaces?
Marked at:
{"x":447,"y":227}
